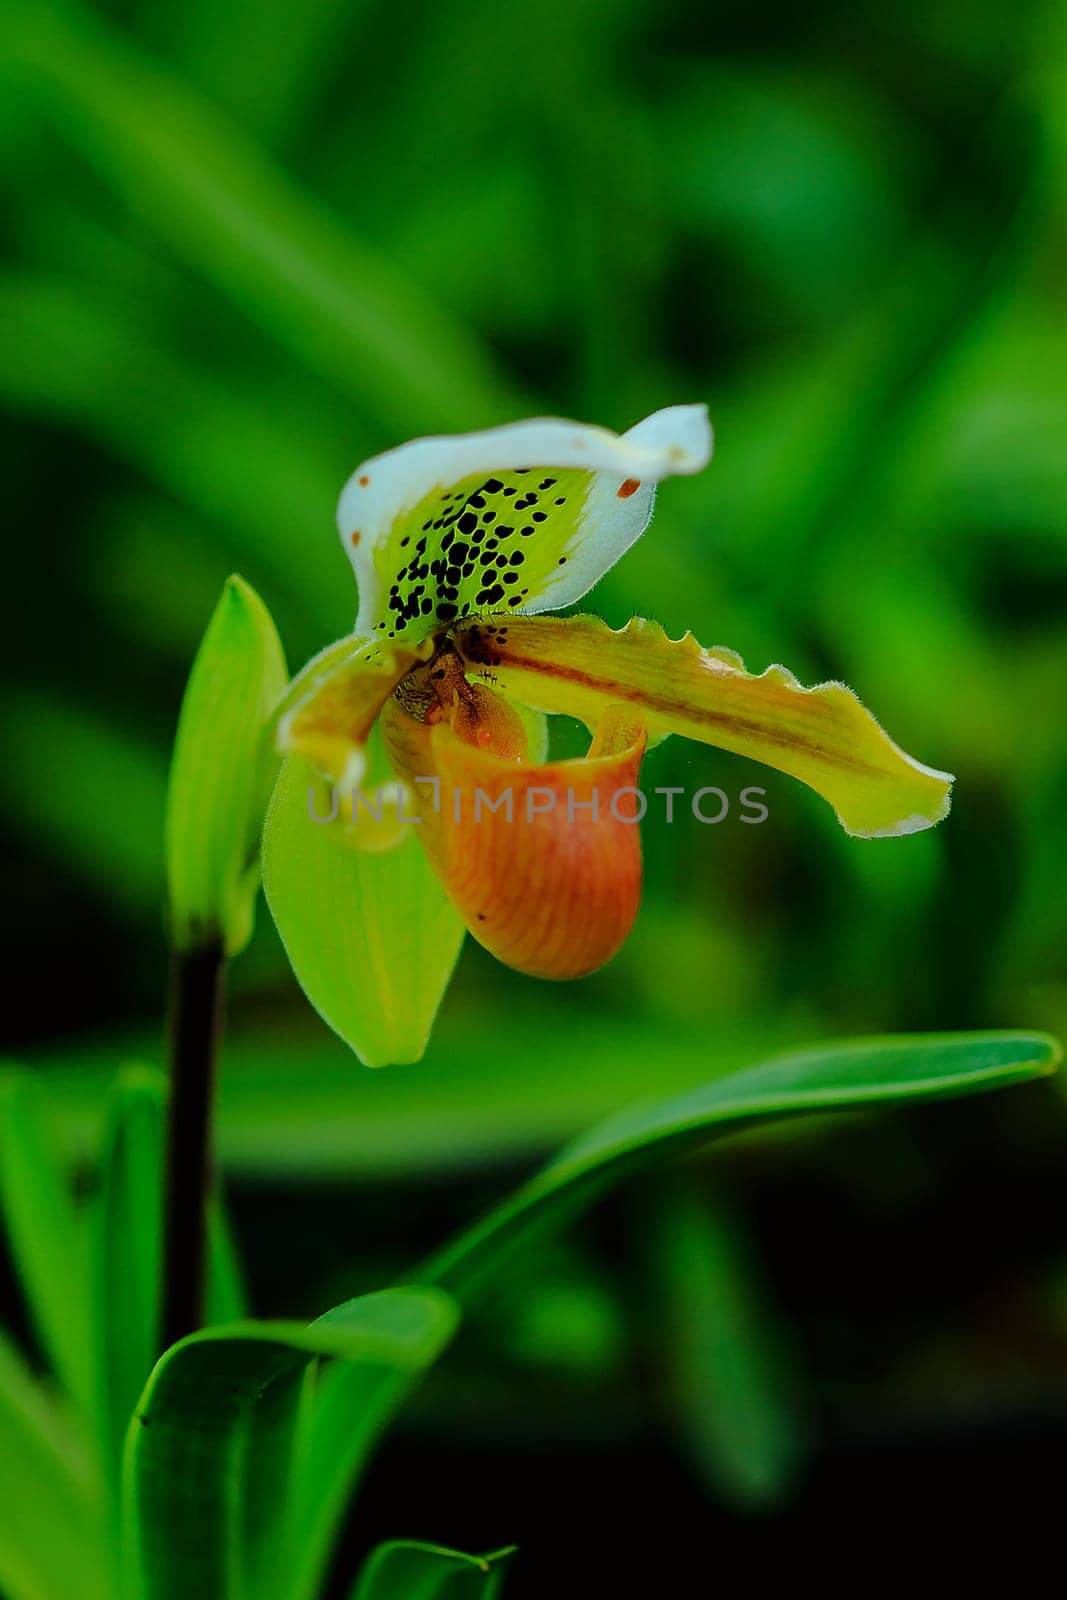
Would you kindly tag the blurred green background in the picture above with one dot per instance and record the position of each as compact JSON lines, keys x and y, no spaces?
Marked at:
{"x":247,"y":244}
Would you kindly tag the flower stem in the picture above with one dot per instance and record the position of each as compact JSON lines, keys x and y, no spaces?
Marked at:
{"x":197,"y":978}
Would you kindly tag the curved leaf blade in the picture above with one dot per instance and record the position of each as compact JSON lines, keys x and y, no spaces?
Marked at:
{"x":737,"y":1399}
{"x":344,"y":1413}
{"x":859,"y":1074}
{"x":127,"y":1252}
{"x":211,"y":1448}
{"x":44,"y":1232}
{"x":127,"y":1249}
{"x":53,"y":1539}
{"x":404,"y":1569}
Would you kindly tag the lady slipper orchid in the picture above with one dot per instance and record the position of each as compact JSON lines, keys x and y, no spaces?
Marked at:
{"x":460,"y":547}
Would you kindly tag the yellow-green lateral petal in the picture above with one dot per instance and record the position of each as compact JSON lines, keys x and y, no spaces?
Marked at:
{"x":371,"y":938}
{"x":822,"y":736}
{"x":333,"y":704}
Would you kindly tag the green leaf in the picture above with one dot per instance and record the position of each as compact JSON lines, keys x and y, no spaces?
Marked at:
{"x":128,"y":1251}
{"x":860,"y":1074}
{"x":44,"y":1234}
{"x":216,"y":1454}
{"x":344,"y":1413}
{"x":407,"y":1570}
{"x":222,"y":772}
{"x":223,"y":207}
{"x":372,"y":938}
{"x":227,"y":1299}
{"x":735,"y":1397}
{"x":53,"y":1542}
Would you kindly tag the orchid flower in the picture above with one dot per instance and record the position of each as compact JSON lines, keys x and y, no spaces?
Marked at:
{"x":461,"y":548}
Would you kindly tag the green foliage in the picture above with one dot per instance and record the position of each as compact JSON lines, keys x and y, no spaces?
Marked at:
{"x":345,"y":1415}
{"x":247,"y":1442}
{"x":227,"y":210}
{"x":245,"y":1446}
{"x":851,"y":1076}
{"x":294,"y":1106}
{"x":56,"y":752}
{"x":406,"y":1570}
{"x":247,"y":245}
{"x":126,"y":1252}
{"x":216,"y":1445}
{"x":45,"y":1237}
{"x":53,"y":1539}
{"x":221,"y":774}
{"x":735,"y":1393}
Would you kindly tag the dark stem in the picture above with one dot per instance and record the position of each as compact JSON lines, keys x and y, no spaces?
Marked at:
{"x":195,"y":1018}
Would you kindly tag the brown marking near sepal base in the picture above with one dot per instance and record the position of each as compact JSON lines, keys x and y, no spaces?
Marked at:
{"x":628,"y":488}
{"x":356,"y":536}
{"x":743,"y":695}
{"x":364,"y":480}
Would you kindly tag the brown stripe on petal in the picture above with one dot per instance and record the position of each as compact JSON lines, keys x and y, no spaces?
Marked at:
{"x":667,"y":708}
{"x":822,"y":736}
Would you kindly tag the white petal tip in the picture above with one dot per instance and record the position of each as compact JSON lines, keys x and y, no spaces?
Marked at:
{"x":916,"y":823}
{"x":681,"y":435}
{"x":906,"y":825}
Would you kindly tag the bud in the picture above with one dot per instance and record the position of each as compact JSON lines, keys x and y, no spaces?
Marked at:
{"x":222,"y":771}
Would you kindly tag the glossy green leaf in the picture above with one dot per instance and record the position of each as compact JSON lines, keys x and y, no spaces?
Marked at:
{"x":227,"y":1295}
{"x":344,"y":1412}
{"x":404,"y":1569}
{"x":857,"y":1075}
{"x":736,"y":1402}
{"x":222,"y":772}
{"x":128,"y":1251}
{"x":44,"y":1236}
{"x":216,"y":1444}
{"x":372,"y":938}
{"x":53,"y":1528}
